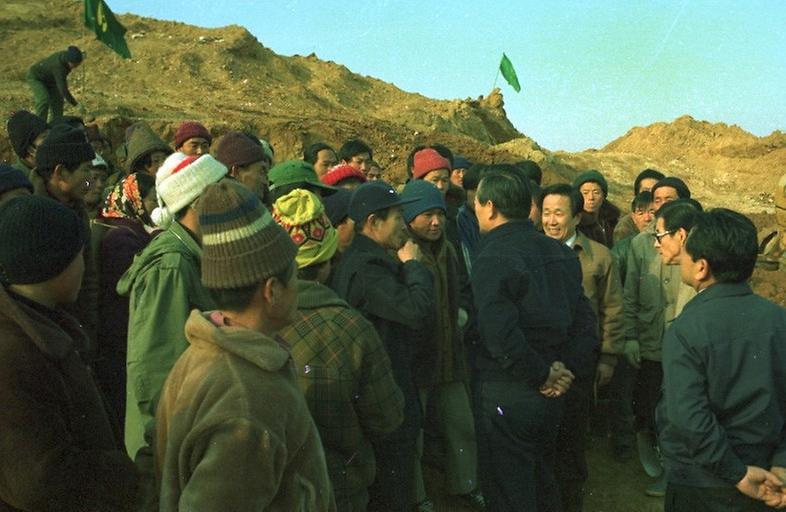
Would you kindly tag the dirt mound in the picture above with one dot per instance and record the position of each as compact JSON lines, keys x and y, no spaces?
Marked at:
{"x":724,"y":165}
{"x":227,"y":79}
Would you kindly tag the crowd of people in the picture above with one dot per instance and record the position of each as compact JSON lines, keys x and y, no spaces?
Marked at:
{"x":195,"y":325}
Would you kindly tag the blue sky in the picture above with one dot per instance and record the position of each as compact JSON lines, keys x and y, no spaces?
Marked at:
{"x":589,"y":70}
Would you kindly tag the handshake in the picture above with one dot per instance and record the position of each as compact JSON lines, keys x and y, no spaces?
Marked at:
{"x":558,"y":382}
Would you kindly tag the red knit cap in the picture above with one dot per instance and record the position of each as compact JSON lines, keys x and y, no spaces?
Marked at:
{"x":340,"y":173}
{"x":427,"y":160}
{"x":189,"y":130}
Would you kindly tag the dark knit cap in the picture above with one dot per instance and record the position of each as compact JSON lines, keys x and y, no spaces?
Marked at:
{"x":337,"y":206}
{"x":64,"y":145}
{"x":371,"y":197}
{"x":39,"y":238}
{"x":23,"y":128}
{"x":189,"y":130}
{"x":422,"y":196}
{"x":74,"y":54}
{"x":238,"y":149}
{"x":241,"y":243}
{"x":677,"y":184}
{"x":592,"y":176}
{"x":12,"y":178}
{"x":459,"y":162}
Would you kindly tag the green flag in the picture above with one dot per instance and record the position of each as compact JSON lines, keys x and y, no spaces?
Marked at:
{"x":108,"y":30}
{"x":506,"y":68}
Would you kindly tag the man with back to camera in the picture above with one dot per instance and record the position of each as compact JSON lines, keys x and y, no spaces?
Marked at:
{"x":535,"y":326}
{"x":48,"y":79}
{"x":720,"y":417}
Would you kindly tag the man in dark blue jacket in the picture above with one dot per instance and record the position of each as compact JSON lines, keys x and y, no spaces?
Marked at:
{"x":537,"y":329}
{"x":396,"y":294}
{"x":722,"y":413}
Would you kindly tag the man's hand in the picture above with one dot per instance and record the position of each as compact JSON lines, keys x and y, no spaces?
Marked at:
{"x":603,"y":374}
{"x":632,"y":353}
{"x":777,"y":499}
{"x":558,"y":381}
{"x":760,"y":484}
{"x":409,"y":251}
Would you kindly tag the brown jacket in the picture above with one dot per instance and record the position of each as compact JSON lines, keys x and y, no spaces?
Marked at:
{"x":233,"y":431}
{"x":602,"y":286}
{"x":57,"y":448}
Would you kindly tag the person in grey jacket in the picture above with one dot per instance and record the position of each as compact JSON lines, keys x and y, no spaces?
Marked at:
{"x":722,"y":414}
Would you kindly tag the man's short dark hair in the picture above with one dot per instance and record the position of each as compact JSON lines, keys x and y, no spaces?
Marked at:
{"x":531,"y":169}
{"x":647,"y":174}
{"x":677,"y":184}
{"x":641,"y":201}
{"x":472,"y":176}
{"x":353,"y":147}
{"x":311,"y":153}
{"x":728,"y":241}
{"x":311,"y":272}
{"x":508,"y":189}
{"x":380,"y":214}
{"x":682,"y":213}
{"x":565,"y":190}
{"x":238,"y":299}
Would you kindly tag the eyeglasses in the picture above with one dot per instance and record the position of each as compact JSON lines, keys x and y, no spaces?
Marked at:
{"x":659,"y":236}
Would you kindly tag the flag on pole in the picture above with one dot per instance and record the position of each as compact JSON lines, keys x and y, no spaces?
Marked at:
{"x":108,"y":30}
{"x":506,"y":68}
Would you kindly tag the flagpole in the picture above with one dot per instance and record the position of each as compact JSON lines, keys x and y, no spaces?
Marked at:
{"x":495,"y":80}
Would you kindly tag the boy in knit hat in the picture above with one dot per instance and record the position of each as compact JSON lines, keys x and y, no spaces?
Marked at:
{"x":163,"y":285}
{"x":231,"y":406}
{"x":63,"y":162}
{"x":193,"y":139}
{"x":48,"y":79}
{"x":58,"y":450}
{"x":342,"y":366}
{"x":246,"y":160}
{"x":26,"y":132}
{"x":13,"y":183}
{"x":441,"y":370}
{"x":395,"y":293}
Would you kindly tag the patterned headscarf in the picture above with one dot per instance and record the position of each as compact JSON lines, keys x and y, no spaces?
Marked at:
{"x":126,"y":199}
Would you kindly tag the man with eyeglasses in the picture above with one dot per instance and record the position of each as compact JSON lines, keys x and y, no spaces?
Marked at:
{"x":650,"y":306}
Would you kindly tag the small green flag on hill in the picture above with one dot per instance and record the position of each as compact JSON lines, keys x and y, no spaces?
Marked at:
{"x":100,"y":19}
{"x":506,"y":67}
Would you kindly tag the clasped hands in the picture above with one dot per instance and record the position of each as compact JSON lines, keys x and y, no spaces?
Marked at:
{"x":766,"y":486}
{"x":558,"y":382}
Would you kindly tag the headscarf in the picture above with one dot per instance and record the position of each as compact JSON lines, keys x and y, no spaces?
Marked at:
{"x":126,"y":199}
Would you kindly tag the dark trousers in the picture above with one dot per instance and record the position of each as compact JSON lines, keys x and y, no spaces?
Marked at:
{"x":619,"y":393}
{"x":646,"y":393}
{"x":571,"y":463}
{"x":683,"y":498}
{"x":516,"y":429}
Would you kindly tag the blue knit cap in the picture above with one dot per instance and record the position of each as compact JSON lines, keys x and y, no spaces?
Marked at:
{"x":423,"y":196}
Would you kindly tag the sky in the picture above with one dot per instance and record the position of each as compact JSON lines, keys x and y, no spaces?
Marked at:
{"x":589,"y":70}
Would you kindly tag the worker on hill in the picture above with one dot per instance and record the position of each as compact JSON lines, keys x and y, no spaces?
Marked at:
{"x":48,"y":80}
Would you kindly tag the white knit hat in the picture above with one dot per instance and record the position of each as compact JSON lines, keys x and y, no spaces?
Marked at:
{"x":180,"y":180}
